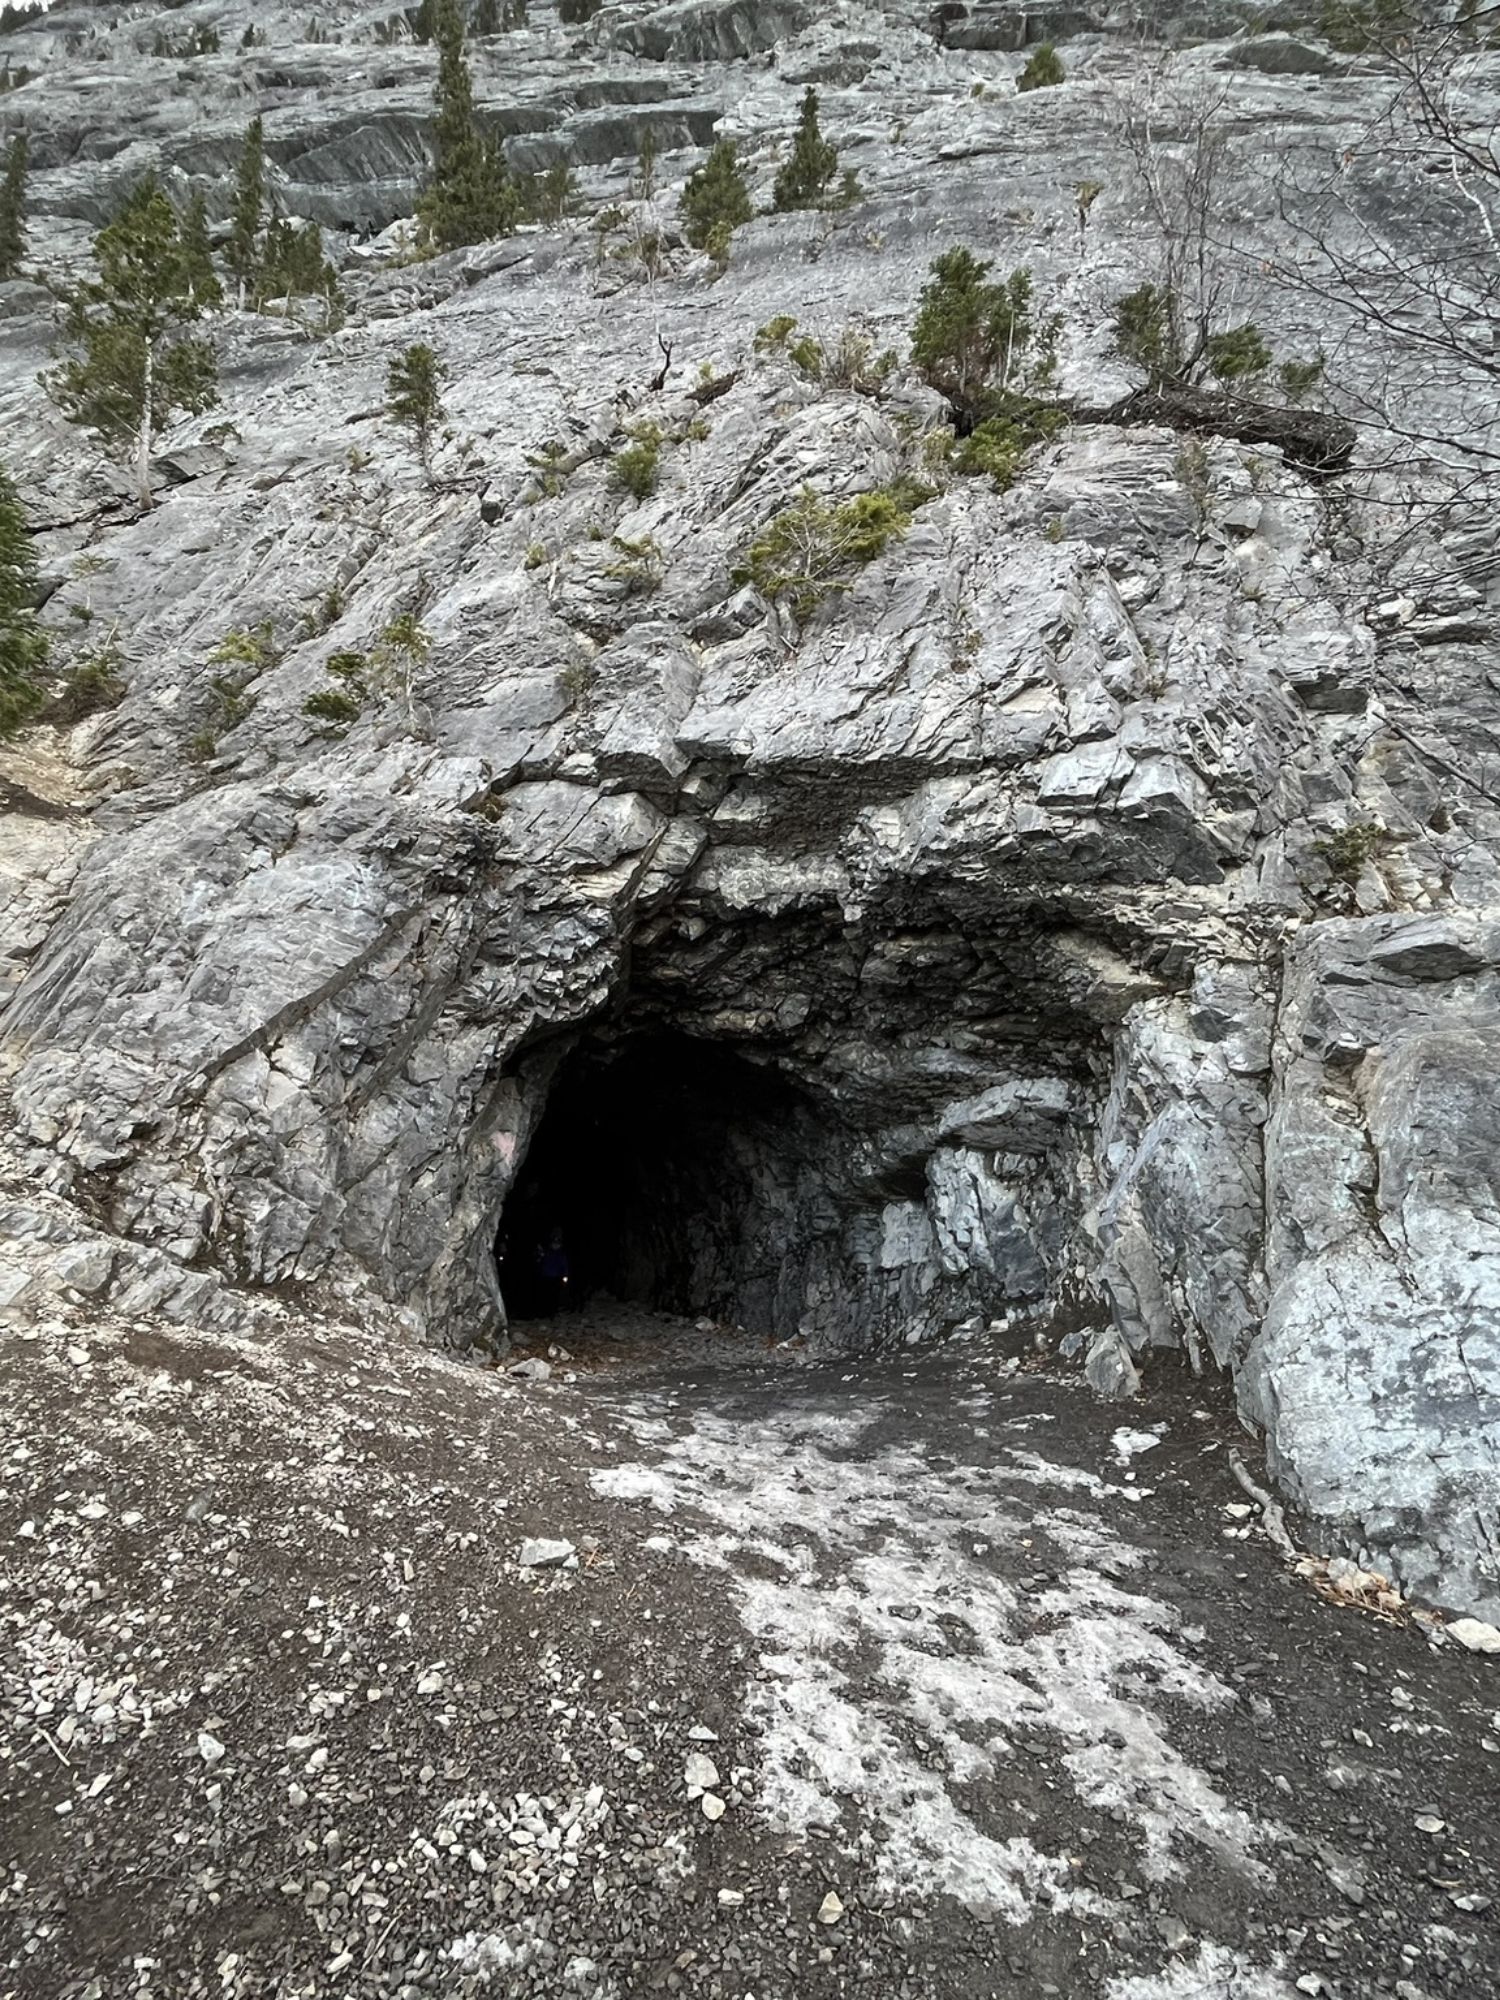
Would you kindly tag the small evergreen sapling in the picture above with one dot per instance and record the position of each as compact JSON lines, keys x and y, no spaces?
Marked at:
{"x":809,"y":172}
{"x":815,"y":548}
{"x":975,"y":338}
{"x":414,"y":397}
{"x":988,"y":349}
{"x":13,"y":208}
{"x":23,"y":643}
{"x":715,"y":202}
{"x":136,"y":366}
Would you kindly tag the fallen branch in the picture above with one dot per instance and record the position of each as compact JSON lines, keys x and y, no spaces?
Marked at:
{"x":1316,"y":443}
{"x":1272,"y":1513}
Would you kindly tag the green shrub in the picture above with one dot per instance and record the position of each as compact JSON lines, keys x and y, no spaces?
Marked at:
{"x":998,"y":445}
{"x":772,"y":337}
{"x":1152,"y":331}
{"x":1044,"y":71}
{"x":1346,"y":852}
{"x":814,"y":548}
{"x":1300,"y":378}
{"x":93,"y":683}
{"x":638,"y":565}
{"x":254,"y":647}
{"x":975,"y":340}
{"x":340,"y":706}
{"x":715,"y":201}
{"x":1147,"y":333}
{"x":808,"y":175}
{"x":1237,"y":355}
{"x":387,"y":674}
{"x":414,"y":397}
{"x":23,"y":643}
{"x":637,"y":466}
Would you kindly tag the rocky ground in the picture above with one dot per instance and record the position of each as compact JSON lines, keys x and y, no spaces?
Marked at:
{"x":675,"y":1666}
{"x":1091,"y":915}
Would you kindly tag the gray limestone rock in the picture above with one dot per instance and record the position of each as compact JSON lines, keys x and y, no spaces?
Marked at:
{"x":1087,"y":909}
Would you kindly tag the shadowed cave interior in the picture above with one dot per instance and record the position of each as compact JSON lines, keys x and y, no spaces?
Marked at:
{"x":674,"y":1172}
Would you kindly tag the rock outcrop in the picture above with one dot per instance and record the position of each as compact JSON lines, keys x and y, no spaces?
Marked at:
{"x":1099,"y":885}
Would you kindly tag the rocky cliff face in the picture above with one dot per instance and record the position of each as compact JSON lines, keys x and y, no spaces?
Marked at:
{"x":1089,"y":915}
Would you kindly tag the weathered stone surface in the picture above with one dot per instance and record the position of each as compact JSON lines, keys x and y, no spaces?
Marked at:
{"x":1005,"y":889}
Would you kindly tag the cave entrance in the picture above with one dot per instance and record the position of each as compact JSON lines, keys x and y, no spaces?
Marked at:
{"x":667,"y":1170}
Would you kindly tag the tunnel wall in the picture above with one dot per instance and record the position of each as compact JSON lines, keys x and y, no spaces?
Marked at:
{"x":689,"y":1177}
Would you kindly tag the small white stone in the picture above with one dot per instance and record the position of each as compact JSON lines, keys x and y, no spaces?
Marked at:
{"x":701,"y":1773}
{"x":830,"y":1909}
{"x":713,"y":1806}
{"x":730,"y":1899}
{"x":538,"y":1552}
{"x":1475,"y":1635}
{"x":1430,"y":1823}
{"x":210,"y":1749}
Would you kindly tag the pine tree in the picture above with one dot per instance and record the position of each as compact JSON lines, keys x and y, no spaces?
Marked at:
{"x":487,"y":17}
{"x":199,"y":255}
{"x":645,"y":165}
{"x":715,"y":201}
{"x":13,"y":208}
{"x":242,"y":254}
{"x":808,"y":174}
{"x":471,"y":197}
{"x":136,"y":366}
{"x":980,"y":342}
{"x":23,"y":643}
{"x":414,"y":396}
{"x":293,"y":266}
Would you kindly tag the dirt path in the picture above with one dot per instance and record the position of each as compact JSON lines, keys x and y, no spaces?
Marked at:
{"x":929,"y":1677}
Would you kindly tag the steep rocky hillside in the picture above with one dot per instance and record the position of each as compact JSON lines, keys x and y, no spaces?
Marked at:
{"x":1086,"y":913}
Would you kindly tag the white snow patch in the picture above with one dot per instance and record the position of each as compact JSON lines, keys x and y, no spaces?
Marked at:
{"x":1223,"y":1974}
{"x":635,"y":1482}
{"x":875,"y":1551}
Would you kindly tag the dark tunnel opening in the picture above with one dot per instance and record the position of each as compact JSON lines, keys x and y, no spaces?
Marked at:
{"x":660,"y":1170}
